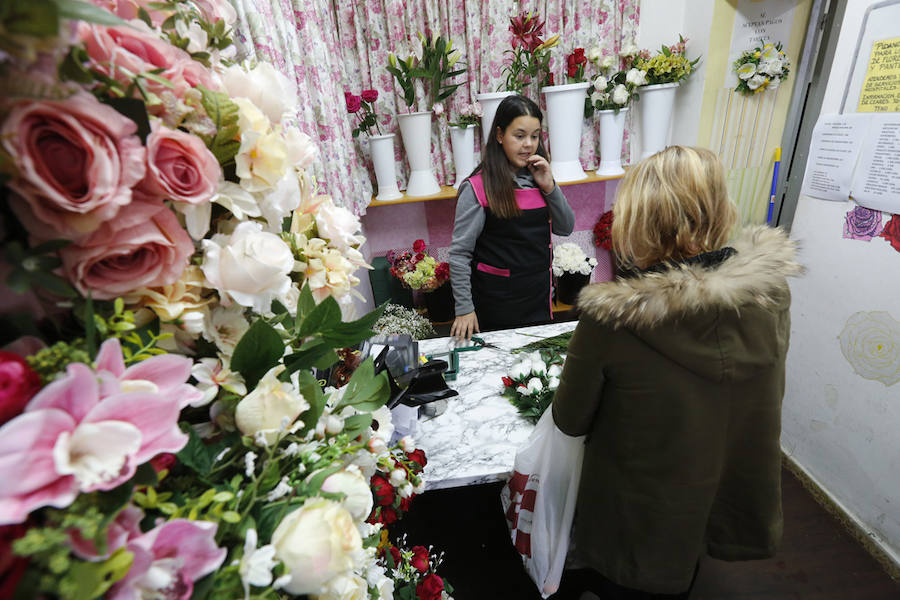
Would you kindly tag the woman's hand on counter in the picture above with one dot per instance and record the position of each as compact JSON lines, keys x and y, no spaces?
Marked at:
{"x":464,"y":326}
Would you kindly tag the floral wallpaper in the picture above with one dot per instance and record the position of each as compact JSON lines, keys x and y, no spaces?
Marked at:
{"x":332,"y":47}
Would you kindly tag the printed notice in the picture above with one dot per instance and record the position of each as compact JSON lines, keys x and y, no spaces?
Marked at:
{"x":876,"y":183}
{"x":881,"y":86}
{"x":833,"y":152}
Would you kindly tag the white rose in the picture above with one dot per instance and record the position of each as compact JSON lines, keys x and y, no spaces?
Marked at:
{"x":377,"y":579}
{"x":317,"y":542}
{"x":596,"y":98}
{"x":534,"y":385}
{"x":594,"y":54}
{"x":347,"y":586}
{"x":607,"y":61}
{"x":300,"y":148}
{"x":746,"y":71}
{"x":250,"y":266}
{"x":268,"y":405}
{"x":552,"y":383}
{"x":771,"y":67}
{"x":337,"y":225}
{"x":554,"y":371}
{"x":636,"y":77}
{"x":620,"y":94}
{"x":600,"y":83}
{"x":538,"y":367}
{"x":398,"y":477}
{"x":628,"y":50}
{"x":756,"y":81}
{"x":279,"y":201}
{"x":520,"y":369}
{"x":355,"y":487}
{"x":264,"y":86}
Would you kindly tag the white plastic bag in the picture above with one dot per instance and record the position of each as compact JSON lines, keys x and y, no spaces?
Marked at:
{"x":539,"y":501}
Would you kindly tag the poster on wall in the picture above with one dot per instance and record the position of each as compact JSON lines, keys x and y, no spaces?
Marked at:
{"x":757,"y":23}
{"x":881,"y":86}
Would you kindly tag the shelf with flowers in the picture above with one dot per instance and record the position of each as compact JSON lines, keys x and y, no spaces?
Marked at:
{"x":761,"y":68}
{"x":162,"y":420}
{"x":418,"y":271}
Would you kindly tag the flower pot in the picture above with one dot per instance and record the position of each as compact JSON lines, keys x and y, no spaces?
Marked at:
{"x":462,"y":139}
{"x":565,"y":115}
{"x":415,"y":128}
{"x":657,"y":102}
{"x":489,"y":103}
{"x":612,"y":129}
{"x":440,"y":304}
{"x":568,"y":285}
{"x":382,"y":149}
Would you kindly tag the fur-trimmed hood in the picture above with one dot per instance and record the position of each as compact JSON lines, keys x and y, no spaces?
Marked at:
{"x":755,"y":275}
{"x":719,"y":321}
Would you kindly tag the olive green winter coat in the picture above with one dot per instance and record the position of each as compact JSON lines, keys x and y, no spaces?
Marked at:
{"x":676,"y":377}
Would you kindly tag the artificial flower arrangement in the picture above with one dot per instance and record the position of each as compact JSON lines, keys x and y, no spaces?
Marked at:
{"x":668,"y":65}
{"x":468,"y":115}
{"x":363,"y":106}
{"x":570,"y":258}
{"x":417,"y":270}
{"x":530,"y":54}
{"x":432,"y":60}
{"x":575,"y":64}
{"x":167,"y":434}
{"x":532,"y":382}
{"x":761,"y":68}
{"x":602,"y":231}
{"x":398,"y":319}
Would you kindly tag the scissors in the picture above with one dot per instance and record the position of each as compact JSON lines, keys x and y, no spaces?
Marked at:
{"x":478,"y":343}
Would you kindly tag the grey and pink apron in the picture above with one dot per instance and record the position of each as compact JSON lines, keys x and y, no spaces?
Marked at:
{"x":511,"y":277}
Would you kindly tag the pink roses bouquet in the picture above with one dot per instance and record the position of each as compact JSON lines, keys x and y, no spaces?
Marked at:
{"x":166,"y":436}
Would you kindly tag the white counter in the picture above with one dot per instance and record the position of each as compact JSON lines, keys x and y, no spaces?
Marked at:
{"x":475,"y":440}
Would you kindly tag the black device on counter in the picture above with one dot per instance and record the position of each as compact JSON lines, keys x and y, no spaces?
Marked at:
{"x":411,"y":384}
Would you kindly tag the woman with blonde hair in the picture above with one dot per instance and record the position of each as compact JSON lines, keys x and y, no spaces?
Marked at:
{"x":675,"y":373}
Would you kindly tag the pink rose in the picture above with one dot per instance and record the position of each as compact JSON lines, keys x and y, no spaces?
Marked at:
{"x":144,"y":247}
{"x":76,"y":160}
{"x":128,"y":9}
{"x":214,"y":10}
{"x":370,"y":95}
{"x":353,"y":103}
{"x":180,"y":166}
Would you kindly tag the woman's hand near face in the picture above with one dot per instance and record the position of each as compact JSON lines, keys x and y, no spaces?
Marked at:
{"x":540,"y":170}
{"x":464,"y":326}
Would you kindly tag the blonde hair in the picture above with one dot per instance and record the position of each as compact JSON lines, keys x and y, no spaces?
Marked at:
{"x":671,"y":206}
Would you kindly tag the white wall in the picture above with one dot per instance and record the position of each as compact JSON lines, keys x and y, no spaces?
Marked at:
{"x":843,"y":429}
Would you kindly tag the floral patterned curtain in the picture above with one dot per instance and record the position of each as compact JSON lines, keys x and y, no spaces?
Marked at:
{"x":330,"y":47}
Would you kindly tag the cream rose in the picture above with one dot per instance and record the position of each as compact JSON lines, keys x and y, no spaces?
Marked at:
{"x":338,"y":225}
{"x":355,"y":487}
{"x":348,"y":586}
{"x":636,"y":77}
{"x":317,"y":542}
{"x":264,"y":86}
{"x":250,"y":266}
{"x":269,"y":407}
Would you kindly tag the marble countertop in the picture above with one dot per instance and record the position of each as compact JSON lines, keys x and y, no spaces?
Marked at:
{"x":475,"y":440}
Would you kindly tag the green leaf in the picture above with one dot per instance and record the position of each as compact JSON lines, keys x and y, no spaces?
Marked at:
{"x":82,"y":11}
{"x":224,"y":114}
{"x":258,"y":350}
{"x":365,"y":390}
{"x":145,"y":475}
{"x":39,"y":18}
{"x":312,"y":393}
{"x":54,"y":283}
{"x":306,"y":303}
{"x":308,"y":355}
{"x":134,"y":109}
{"x":315,"y":482}
{"x":200,"y":456}
{"x":93,"y":579}
{"x":322,"y":318}
{"x":326,"y":361}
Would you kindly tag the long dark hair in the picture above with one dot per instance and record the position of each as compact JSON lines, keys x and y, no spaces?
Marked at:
{"x":494,"y":166}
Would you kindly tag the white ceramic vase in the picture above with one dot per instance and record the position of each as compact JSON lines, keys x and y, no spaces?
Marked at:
{"x":415,"y":128}
{"x":382,"y":149}
{"x":462,"y":139}
{"x":656,"y":102}
{"x":565,"y":115}
{"x":612,"y":129}
{"x":489,"y":102}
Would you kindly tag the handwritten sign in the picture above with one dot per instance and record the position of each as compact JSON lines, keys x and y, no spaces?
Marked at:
{"x":881,"y":87}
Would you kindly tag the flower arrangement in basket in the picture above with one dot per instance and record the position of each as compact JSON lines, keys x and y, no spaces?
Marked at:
{"x":469,"y":114}
{"x":363,"y":106}
{"x":668,"y":65}
{"x":532,"y":382}
{"x":433,"y":61}
{"x":417,"y":270}
{"x":761,"y":68}
{"x":167,"y":434}
{"x":530,"y":54}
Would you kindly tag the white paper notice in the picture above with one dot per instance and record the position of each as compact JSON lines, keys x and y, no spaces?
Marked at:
{"x":876,"y":184}
{"x":833,"y":151}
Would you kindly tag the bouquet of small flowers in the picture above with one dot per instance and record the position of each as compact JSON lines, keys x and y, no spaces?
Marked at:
{"x":602,"y":229}
{"x":414,"y":571}
{"x":469,"y":114}
{"x":530,"y":54}
{"x":363,"y":106}
{"x":166,"y":433}
{"x":761,"y":68}
{"x":575,"y":63}
{"x":417,"y":270}
{"x":397,"y":319}
{"x":532,"y":382}
{"x":668,"y":65}
{"x":570,"y":258}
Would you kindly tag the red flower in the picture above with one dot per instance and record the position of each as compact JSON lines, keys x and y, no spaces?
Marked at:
{"x":442,"y":271}
{"x":508,"y":382}
{"x":602,"y":237}
{"x":891,"y":232}
{"x":18,"y":383}
{"x":430,"y":587}
{"x":384,"y":491}
{"x":572,"y":70}
{"x":163,"y":461}
{"x":353,"y":103}
{"x":370,"y":95}
{"x":395,"y":554}
{"x":418,"y":456}
{"x":580,"y":58}
{"x":406,"y":503}
{"x":526,"y":30}
{"x":388,"y":515}
{"x":419,"y":246}
{"x":418,"y":257}
{"x":419,"y":559}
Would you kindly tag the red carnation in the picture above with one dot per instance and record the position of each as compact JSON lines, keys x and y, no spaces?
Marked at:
{"x":418,"y":456}
{"x":419,"y":246}
{"x":602,"y":236}
{"x":891,"y":232}
{"x":353,"y":103}
{"x":18,"y":383}
{"x":370,"y":95}
{"x":384,"y":491}
{"x":442,"y":271}
{"x":430,"y":587}
{"x":419,"y":559}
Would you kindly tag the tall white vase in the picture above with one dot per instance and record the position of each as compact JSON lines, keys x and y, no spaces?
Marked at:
{"x":462,"y":139}
{"x":565,"y":115}
{"x":382,"y":150}
{"x":612,"y":129}
{"x":656,"y":102}
{"x":489,"y":102}
{"x":416,"y":131}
